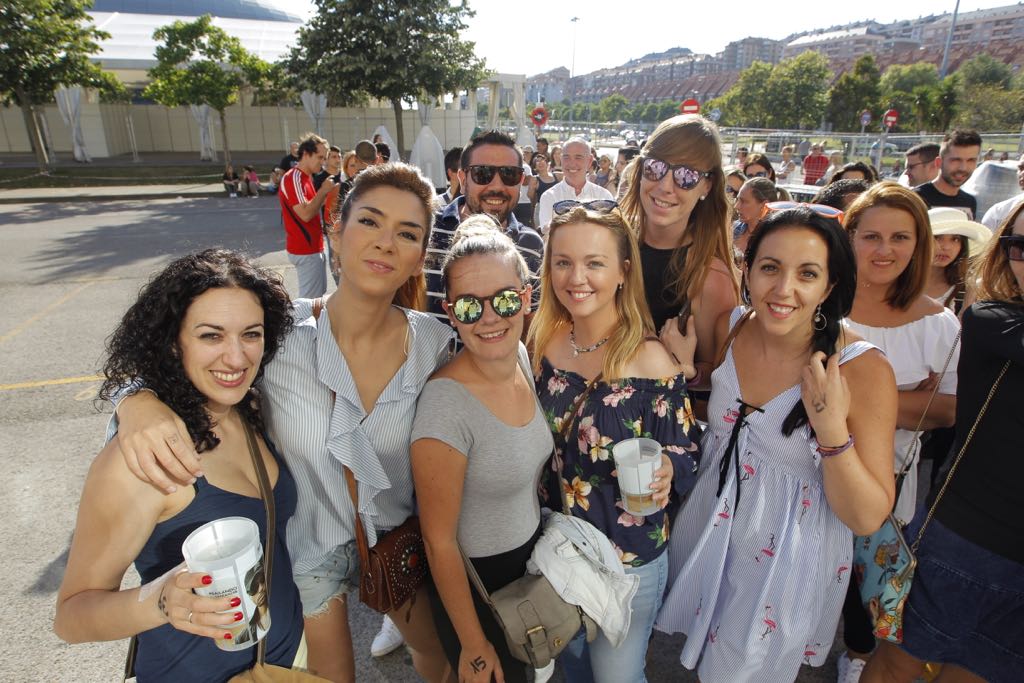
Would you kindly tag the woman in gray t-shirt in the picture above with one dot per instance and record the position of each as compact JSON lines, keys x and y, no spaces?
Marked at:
{"x":480,"y":441}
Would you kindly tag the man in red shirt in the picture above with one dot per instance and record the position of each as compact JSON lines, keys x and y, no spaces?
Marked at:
{"x":815,"y":165}
{"x":300,"y":211}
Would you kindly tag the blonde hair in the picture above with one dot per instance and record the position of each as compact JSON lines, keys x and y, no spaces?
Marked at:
{"x":635,"y":323}
{"x":692,"y":140}
{"x":912,"y":282}
{"x":481,"y":235}
{"x":991,"y":272}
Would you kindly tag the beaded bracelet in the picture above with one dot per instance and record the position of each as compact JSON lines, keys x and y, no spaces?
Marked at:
{"x":828,"y":452}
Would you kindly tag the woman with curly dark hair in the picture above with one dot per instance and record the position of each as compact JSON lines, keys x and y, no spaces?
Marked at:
{"x":200,"y":334}
{"x":342,"y":392}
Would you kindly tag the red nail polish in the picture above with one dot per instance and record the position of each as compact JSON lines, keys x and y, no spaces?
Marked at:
{"x":238,"y":616}
{"x":236,"y":601}
{"x":207,"y":580}
{"x":227,"y":636}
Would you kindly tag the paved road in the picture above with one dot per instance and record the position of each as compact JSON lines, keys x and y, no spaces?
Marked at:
{"x":67,"y":273}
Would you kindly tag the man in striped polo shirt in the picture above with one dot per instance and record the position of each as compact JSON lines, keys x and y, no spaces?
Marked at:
{"x":300,"y":212}
{"x":491,"y":170}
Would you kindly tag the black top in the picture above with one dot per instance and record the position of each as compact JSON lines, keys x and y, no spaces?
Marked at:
{"x":981,"y":503}
{"x":933,"y":198}
{"x":661,"y":298}
{"x":287,"y":162}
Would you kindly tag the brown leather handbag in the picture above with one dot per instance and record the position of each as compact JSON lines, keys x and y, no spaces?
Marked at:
{"x":391,"y":571}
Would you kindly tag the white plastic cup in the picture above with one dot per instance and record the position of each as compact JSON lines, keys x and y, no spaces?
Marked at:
{"x":635,"y":463}
{"x":230,"y":552}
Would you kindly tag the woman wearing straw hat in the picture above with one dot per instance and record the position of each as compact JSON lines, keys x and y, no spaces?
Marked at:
{"x":957,"y":241}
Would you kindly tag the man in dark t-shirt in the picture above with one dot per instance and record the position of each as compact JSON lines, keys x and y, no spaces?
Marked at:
{"x":290,"y":160}
{"x":959,"y":157}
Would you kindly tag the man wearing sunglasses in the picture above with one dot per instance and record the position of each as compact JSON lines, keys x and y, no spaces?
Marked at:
{"x":576,"y":160}
{"x":490,"y":174}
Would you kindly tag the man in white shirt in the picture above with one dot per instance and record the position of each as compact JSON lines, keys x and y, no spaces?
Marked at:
{"x":998,"y":213}
{"x":577,"y":158}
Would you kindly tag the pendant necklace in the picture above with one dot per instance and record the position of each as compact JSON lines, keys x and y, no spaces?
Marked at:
{"x":576,"y":350}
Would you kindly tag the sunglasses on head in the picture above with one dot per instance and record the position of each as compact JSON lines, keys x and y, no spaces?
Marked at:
{"x":1013,"y":245}
{"x":820,"y":209}
{"x":467,"y":309}
{"x":683,"y":176}
{"x":483,"y":175}
{"x":598,"y":205}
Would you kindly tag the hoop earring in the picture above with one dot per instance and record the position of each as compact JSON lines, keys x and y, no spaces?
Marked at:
{"x":820,"y":321}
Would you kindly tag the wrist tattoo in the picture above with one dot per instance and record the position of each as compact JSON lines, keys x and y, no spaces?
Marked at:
{"x":161,"y":603}
{"x":478,"y":665}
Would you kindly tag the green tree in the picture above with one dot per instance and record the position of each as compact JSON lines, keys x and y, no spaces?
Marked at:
{"x":991,"y":108}
{"x":798,"y":91}
{"x":667,"y":109}
{"x":44,"y":44}
{"x":112,"y":89}
{"x":946,"y":99}
{"x":924,"y":105}
{"x":199,"y":63}
{"x":904,"y":78}
{"x":747,"y":103}
{"x":612,"y":108}
{"x":983,"y":70}
{"x":854,"y":91}
{"x":391,"y":50}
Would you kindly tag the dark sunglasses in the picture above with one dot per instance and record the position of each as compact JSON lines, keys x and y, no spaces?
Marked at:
{"x":820,"y":209}
{"x":758,"y":174}
{"x":732,"y":192}
{"x":483,"y":175}
{"x":467,"y":308}
{"x":598,"y":205}
{"x":1013,"y":245}
{"x":683,"y":176}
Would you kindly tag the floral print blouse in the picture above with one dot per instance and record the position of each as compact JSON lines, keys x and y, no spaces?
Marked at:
{"x":582,"y":466}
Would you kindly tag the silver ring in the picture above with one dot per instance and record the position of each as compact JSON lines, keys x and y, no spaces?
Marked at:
{"x":190,"y":617}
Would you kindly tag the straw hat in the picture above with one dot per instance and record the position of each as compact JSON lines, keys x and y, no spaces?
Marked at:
{"x":946,"y":220}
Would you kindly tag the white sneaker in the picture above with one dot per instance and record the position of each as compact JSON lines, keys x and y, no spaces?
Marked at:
{"x":849,"y":670}
{"x":387,"y":640}
{"x":544,"y":675}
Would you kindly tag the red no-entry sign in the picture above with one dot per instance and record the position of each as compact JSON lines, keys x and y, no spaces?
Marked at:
{"x":690,"y":106}
{"x":890,"y":118}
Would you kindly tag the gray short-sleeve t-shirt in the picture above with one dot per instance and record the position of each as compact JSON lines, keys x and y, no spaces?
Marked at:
{"x":500,"y":510}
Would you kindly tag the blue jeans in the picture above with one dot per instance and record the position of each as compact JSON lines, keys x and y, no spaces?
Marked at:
{"x":623,"y":664}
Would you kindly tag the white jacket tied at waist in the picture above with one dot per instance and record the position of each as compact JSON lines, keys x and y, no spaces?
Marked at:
{"x":585,"y":570}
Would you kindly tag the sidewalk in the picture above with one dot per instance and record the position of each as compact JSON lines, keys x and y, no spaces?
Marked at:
{"x":111,"y":192}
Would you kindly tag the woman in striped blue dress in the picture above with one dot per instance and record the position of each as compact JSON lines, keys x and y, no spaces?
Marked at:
{"x":342,"y":392}
{"x":796,"y":459}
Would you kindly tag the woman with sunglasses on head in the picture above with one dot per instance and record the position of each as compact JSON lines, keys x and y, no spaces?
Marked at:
{"x":966,"y":603}
{"x":892,"y":239}
{"x":758,"y":166}
{"x":479,"y":443}
{"x":201,"y":332}
{"x":341,"y":393}
{"x":751,"y":206}
{"x":594,"y":351}
{"x":676,"y":201}
{"x":797,"y":456}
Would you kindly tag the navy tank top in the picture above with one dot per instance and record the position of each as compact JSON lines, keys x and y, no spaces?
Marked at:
{"x":167,"y":654}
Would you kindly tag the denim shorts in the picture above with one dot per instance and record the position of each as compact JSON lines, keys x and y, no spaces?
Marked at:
{"x":966,"y":606}
{"x":336,"y":576}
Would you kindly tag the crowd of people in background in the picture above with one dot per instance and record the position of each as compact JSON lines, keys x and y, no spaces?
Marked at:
{"x":488,"y":344}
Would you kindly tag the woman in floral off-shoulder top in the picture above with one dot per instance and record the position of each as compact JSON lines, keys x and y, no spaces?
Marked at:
{"x":593,"y":327}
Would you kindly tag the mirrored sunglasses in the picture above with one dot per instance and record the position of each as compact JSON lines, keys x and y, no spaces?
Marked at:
{"x":467,"y":309}
{"x":483,"y":175}
{"x":1013,"y":245}
{"x":598,"y":205}
{"x":683,"y":176}
{"x":820,"y":209}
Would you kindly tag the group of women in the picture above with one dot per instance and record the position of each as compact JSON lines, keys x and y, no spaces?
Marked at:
{"x":817,"y":380}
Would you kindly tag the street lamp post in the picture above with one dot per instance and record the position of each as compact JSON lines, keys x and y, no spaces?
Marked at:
{"x":949,"y":42}
{"x":572,"y":72}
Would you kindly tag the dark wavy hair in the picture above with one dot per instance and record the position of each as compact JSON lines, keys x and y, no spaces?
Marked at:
{"x":842,"y":278}
{"x":144,"y":347}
